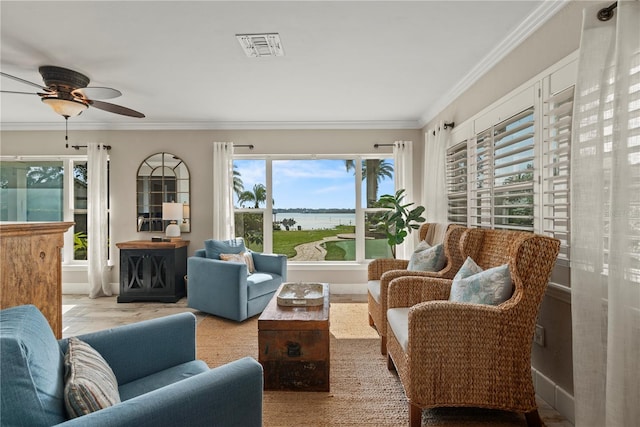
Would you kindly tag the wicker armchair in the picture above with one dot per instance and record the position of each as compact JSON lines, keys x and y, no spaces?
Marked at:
{"x":462,"y":354}
{"x":383,"y":271}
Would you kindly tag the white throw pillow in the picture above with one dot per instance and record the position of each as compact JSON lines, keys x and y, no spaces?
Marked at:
{"x":473,"y":285}
{"x":242,"y":257}
{"x":427,"y":258}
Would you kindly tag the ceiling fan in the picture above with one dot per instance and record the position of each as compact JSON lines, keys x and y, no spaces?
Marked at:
{"x":68,"y":93}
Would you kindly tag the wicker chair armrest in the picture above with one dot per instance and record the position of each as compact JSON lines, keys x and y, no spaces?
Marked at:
{"x":387,"y":277}
{"x":408,"y":291}
{"x":379,"y":266}
{"x":440,"y":332}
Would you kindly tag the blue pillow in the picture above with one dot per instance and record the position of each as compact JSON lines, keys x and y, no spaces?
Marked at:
{"x":473,"y":285}
{"x":213,"y":248}
{"x":427,"y":258}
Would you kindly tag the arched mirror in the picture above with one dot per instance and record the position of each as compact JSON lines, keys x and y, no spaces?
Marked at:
{"x":162,"y":177}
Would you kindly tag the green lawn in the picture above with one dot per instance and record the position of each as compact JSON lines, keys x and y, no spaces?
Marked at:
{"x":284,"y":242}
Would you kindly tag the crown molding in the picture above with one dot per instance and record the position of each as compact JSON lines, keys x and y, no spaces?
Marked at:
{"x":539,"y":16}
{"x":148,"y":126}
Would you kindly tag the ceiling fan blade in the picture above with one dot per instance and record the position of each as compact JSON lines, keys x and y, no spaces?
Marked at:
{"x":21,"y":93}
{"x":97,"y":92}
{"x":27,"y":82}
{"x":113,"y":108}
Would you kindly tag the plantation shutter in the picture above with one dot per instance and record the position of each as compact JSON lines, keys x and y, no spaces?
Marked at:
{"x":457,"y":183}
{"x":513,"y":156}
{"x":480,"y":165}
{"x":502,"y":174}
{"x":556,"y":170}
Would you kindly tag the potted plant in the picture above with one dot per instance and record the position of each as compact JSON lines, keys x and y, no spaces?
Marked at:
{"x":400,"y":219}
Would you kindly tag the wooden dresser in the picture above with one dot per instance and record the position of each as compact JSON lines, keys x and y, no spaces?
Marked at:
{"x":31,"y":267}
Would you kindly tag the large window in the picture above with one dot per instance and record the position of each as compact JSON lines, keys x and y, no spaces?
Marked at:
{"x":48,"y":190}
{"x":313,"y":209}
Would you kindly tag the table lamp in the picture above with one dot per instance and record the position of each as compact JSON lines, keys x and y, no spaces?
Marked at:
{"x":173,"y":213}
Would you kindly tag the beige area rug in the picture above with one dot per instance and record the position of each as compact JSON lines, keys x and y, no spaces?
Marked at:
{"x":363,"y":392}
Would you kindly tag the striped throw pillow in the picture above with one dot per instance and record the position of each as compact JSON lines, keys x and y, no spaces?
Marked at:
{"x":90,"y":384}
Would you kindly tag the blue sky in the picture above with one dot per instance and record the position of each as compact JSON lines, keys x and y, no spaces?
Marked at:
{"x":308,"y":184}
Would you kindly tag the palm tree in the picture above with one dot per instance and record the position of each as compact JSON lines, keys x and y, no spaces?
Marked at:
{"x":45,"y":176}
{"x":238,"y":185}
{"x":374,"y":171}
{"x":257,"y":196}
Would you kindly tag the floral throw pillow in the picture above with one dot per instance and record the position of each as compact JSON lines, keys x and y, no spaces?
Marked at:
{"x":473,"y":285}
{"x":427,"y":258}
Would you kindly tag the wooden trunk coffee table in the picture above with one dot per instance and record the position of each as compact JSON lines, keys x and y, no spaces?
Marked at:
{"x":293,"y":345}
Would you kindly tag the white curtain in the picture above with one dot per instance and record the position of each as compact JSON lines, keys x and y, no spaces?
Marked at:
{"x":223,"y":220}
{"x":403,"y":164}
{"x":97,"y":238}
{"x":605,"y":216}
{"x":434,"y":184}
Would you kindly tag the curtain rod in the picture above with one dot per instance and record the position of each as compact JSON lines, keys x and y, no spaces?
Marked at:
{"x":446,"y":125}
{"x":606,"y":13}
{"x":77,"y":147}
{"x":250,"y":146}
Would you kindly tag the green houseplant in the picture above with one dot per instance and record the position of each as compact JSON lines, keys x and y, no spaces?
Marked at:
{"x":400,"y":219}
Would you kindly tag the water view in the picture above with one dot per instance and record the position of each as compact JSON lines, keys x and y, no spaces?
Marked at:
{"x":317,"y":221}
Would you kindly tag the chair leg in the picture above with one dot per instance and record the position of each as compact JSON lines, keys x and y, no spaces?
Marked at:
{"x":390,"y":365}
{"x":533,"y":419}
{"x":383,"y":345}
{"x":415,"y":415}
{"x":371,"y":323}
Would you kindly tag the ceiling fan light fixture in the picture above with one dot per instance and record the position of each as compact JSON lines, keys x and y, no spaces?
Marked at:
{"x":65,"y":107}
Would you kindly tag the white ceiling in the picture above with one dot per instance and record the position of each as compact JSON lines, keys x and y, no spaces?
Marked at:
{"x":346,"y":64}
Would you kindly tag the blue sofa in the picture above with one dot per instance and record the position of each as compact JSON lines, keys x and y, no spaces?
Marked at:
{"x":159,"y":380}
{"x":225,"y":288}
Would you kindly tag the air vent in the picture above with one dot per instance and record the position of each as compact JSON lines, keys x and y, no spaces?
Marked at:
{"x":257,"y":45}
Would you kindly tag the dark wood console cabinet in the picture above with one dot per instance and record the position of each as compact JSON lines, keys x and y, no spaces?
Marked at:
{"x":152,"y":271}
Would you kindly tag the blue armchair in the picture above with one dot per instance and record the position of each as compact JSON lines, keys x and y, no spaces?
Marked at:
{"x":159,"y":380}
{"x":225,"y":288}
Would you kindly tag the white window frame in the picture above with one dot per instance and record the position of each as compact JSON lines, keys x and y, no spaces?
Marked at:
{"x":68,"y":208}
{"x":360,"y":211}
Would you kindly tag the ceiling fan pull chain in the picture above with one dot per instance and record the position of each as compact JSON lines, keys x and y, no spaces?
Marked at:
{"x":66,"y":128}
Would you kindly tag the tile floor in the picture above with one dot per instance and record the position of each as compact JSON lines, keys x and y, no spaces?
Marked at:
{"x":82,"y":315}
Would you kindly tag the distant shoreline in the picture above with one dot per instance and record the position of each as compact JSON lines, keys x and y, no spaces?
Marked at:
{"x":320,"y":211}
{"x":317,"y":220}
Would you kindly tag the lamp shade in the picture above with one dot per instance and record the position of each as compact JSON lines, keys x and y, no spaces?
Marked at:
{"x":172,"y":211}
